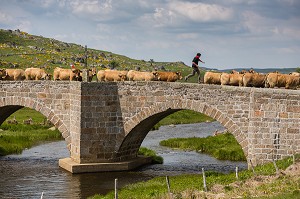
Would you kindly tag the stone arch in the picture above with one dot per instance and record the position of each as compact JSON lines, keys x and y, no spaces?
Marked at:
{"x":13,"y":103}
{"x":140,"y":124}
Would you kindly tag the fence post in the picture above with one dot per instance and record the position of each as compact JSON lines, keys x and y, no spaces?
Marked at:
{"x":252,"y":168}
{"x":169,"y":189}
{"x":204,"y":180}
{"x":275,"y":165}
{"x":294,"y":160}
{"x":236,"y":173}
{"x":116,"y":188}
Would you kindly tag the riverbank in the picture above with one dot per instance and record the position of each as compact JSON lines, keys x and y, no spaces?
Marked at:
{"x":222,"y":146}
{"x":24,"y":129}
{"x":263,"y":182}
{"x":17,"y":137}
{"x":183,"y":117}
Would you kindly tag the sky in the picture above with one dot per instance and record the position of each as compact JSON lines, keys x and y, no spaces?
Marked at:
{"x":228,"y":33}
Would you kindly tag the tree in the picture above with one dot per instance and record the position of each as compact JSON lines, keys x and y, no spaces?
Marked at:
{"x":151,"y":61}
{"x":113,"y":64}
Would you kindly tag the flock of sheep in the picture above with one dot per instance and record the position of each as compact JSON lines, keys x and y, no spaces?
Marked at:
{"x":253,"y":79}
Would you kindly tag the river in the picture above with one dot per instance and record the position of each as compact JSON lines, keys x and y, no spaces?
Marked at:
{"x":36,"y":172}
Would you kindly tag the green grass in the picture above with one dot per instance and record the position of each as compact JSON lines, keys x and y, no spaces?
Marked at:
{"x":14,"y":142}
{"x":150,"y":153}
{"x":157,"y":187}
{"x":26,"y":113}
{"x":184,"y":117}
{"x":14,"y":138}
{"x":223,"y":146}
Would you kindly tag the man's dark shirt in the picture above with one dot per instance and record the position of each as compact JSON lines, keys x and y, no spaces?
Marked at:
{"x":196,"y":60}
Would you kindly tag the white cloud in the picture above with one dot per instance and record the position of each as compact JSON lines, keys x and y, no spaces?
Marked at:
{"x":94,"y":7}
{"x":162,"y":17}
{"x":258,"y":25}
{"x":176,"y":15}
{"x":201,"y":12}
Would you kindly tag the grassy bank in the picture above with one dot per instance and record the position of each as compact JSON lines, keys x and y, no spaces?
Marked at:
{"x":14,"y":140}
{"x":150,"y":153}
{"x":222,"y":146}
{"x":263,"y":183}
{"x":184,"y":117}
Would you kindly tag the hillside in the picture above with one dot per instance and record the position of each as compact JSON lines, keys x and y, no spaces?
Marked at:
{"x":22,"y":50}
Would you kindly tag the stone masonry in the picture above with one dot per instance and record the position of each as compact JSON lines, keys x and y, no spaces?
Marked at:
{"x":105,"y":123}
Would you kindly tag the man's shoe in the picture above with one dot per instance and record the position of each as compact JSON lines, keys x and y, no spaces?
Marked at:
{"x":185,"y":79}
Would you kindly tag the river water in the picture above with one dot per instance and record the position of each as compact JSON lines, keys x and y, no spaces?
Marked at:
{"x":35,"y":172}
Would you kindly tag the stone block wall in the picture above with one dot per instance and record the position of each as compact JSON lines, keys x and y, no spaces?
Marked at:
{"x":274,"y":128}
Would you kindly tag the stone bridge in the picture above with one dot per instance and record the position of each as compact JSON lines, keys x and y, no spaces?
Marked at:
{"x":104,"y":124}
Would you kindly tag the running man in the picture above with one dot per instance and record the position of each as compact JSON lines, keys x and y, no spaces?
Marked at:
{"x":195,"y":67}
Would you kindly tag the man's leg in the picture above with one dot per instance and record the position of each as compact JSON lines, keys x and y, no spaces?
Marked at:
{"x":200,"y":81}
{"x":190,"y":75}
